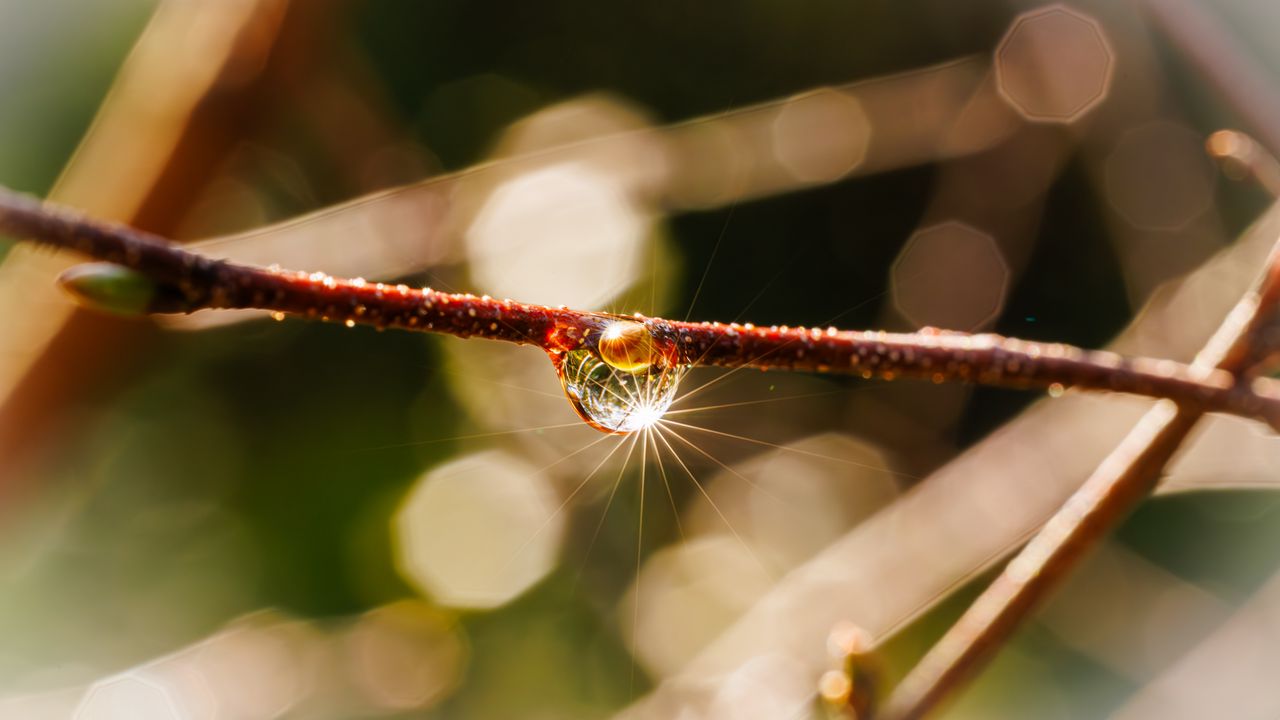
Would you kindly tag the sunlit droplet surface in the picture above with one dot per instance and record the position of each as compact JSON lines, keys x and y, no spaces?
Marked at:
{"x":624,"y":384}
{"x":628,"y":346}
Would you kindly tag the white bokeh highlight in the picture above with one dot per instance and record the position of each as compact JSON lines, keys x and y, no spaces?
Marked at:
{"x":478,"y":531}
{"x":565,"y":234}
{"x":129,"y":696}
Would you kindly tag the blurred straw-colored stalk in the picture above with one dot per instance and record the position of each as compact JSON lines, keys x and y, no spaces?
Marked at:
{"x":973,"y":511}
{"x":182,"y":97}
{"x":816,"y":137}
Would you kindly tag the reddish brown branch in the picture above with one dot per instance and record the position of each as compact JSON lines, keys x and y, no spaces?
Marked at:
{"x":186,"y":281}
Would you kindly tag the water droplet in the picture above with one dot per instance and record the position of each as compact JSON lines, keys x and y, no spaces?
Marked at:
{"x":621,"y":379}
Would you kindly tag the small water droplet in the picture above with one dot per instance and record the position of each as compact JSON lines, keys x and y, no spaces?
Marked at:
{"x":621,"y":379}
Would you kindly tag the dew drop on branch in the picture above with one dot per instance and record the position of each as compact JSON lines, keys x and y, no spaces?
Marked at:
{"x":620,"y":380}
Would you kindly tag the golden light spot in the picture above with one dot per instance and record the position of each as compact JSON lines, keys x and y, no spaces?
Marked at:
{"x":628,"y":346}
{"x":835,"y":687}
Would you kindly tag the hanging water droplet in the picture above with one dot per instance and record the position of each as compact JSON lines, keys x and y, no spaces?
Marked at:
{"x":620,"y":380}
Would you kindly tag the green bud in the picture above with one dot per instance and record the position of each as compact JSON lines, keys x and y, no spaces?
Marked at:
{"x":110,"y":288}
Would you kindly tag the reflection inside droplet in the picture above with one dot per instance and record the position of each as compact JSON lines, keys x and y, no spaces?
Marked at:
{"x":620,"y":381}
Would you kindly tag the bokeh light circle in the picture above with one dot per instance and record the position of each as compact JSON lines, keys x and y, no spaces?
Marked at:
{"x":1054,"y":64}
{"x":479,"y":530}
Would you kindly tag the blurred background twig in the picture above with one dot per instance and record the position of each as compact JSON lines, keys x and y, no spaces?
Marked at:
{"x":1125,"y":478}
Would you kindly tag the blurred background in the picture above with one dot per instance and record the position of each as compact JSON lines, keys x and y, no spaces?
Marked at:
{"x":228,"y":517}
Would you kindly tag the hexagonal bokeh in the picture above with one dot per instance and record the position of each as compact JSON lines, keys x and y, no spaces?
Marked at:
{"x":129,"y":696}
{"x":478,"y":531}
{"x":1158,"y":176}
{"x":563,"y":234}
{"x":262,"y":666}
{"x":821,"y":136}
{"x":1054,"y":64}
{"x":800,"y":497}
{"x":686,"y":595}
{"x":950,"y":276}
{"x":405,"y":656}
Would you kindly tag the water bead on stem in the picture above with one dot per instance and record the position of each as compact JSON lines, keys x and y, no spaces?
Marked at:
{"x":621,"y":379}
{"x":620,"y":372}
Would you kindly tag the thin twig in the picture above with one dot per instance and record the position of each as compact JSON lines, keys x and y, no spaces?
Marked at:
{"x":186,"y":281}
{"x":1124,"y":479}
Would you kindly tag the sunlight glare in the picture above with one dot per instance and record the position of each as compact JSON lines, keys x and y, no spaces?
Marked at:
{"x":646,"y":415}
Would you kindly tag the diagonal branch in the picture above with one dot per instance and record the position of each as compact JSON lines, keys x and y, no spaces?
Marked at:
{"x":174,"y":279}
{"x":1124,"y":479}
